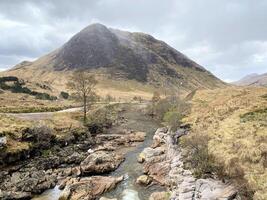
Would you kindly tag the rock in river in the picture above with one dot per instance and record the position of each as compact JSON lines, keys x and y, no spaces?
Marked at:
{"x":89,"y":188}
{"x":101,"y":162}
{"x":143,"y":180}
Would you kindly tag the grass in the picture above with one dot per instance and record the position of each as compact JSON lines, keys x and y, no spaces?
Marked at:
{"x":31,"y":109}
{"x":264,"y":96}
{"x":23,"y":103}
{"x":63,"y":125}
{"x":12,"y":128}
{"x":259,"y":116}
{"x":235,"y":121}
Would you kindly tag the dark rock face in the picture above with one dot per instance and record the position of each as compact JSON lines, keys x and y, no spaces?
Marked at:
{"x":96,"y":46}
{"x":129,"y":54}
{"x":93,"y":47}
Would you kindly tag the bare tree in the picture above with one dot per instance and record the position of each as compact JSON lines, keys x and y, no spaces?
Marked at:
{"x":155,"y":100}
{"x":156,"y":97}
{"x":83,"y":84}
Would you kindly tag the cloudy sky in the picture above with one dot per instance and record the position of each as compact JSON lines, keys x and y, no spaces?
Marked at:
{"x":228,"y":37}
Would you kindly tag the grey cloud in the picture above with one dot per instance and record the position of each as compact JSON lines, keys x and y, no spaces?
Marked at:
{"x":227,"y":37}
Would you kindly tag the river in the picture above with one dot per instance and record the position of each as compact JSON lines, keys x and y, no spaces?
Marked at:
{"x":130,"y":168}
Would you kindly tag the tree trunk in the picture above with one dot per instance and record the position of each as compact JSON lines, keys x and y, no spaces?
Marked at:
{"x":84,"y":108}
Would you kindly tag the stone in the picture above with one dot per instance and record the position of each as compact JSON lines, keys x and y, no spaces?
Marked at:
{"x":67,"y":172}
{"x":76,"y":171}
{"x":65,"y":194}
{"x":158,"y":171}
{"x":75,"y":158}
{"x":90,"y":187}
{"x":90,"y":151}
{"x":3,"y":142}
{"x":141,"y":157}
{"x":163,"y":162}
{"x":101,"y":162}
{"x":143,"y":180}
{"x":159,"y":196}
{"x":214,"y":189}
{"x":15,"y":195}
{"x":150,"y":152}
{"x":136,"y":137}
{"x":63,"y":183}
{"x":105,"y":198}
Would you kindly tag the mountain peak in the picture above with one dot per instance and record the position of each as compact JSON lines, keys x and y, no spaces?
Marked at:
{"x":125,"y":55}
{"x":97,"y":27}
{"x":253,"y":80}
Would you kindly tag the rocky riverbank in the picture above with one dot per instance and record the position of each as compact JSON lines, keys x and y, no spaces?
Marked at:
{"x":79,"y":167}
{"x":82,"y":168}
{"x":163,"y":163}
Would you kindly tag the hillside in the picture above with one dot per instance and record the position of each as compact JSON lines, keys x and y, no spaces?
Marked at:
{"x":126,"y":64}
{"x":235,"y":122}
{"x":253,"y":80}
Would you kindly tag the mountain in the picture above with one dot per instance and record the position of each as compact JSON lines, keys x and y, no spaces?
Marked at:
{"x":121,"y":60}
{"x":253,"y":80}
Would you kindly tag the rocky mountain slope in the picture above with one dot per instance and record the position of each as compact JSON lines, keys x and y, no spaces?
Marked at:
{"x":253,"y":80}
{"x":118,"y":58}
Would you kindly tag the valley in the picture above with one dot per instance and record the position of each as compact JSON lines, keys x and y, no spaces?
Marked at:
{"x":119,"y":115}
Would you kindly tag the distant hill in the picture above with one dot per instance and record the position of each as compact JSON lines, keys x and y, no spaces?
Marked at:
{"x":124,"y":62}
{"x":253,"y":80}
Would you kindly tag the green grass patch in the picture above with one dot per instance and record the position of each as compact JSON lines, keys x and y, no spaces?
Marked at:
{"x":259,"y":115}
{"x":264,"y":96}
{"x":15,"y":85}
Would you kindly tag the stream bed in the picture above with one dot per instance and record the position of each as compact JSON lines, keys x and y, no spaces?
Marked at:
{"x":130,"y":168}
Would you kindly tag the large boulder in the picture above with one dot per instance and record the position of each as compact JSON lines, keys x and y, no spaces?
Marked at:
{"x":101,"y":162}
{"x":89,"y":188}
{"x":15,"y":195}
{"x":137,"y":137}
{"x":149,"y":152}
{"x":214,"y":189}
{"x":33,"y":181}
{"x":158,"y":170}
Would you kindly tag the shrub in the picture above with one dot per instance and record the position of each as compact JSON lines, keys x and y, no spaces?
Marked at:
{"x":45,"y":96}
{"x":64,"y":95}
{"x":198,"y":157}
{"x":156,"y":97}
{"x":109,"y":98}
{"x":136,"y":98}
{"x":264,"y":96}
{"x":40,"y":136}
{"x":170,"y":104}
{"x":8,"y":79}
{"x":17,"y":88}
{"x":259,"y":115}
{"x":173,"y":119}
{"x":100,"y":120}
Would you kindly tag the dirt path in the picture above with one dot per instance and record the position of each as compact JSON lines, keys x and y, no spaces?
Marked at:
{"x":47,"y":115}
{"x":41,"y":115}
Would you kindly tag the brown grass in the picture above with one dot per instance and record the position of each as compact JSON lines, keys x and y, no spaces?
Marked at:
{"x":236,"y":123}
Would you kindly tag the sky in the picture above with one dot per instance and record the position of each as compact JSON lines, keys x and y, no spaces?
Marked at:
{"x":227,"y":37}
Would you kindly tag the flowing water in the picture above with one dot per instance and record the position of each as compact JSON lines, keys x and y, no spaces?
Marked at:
{"x":130,"y":168}
{"x":51,"y":194}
